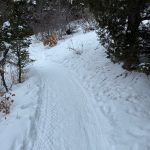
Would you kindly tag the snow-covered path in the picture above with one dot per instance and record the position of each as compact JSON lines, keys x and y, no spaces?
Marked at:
{"x":66,"y":120}
{"x":80,"y":107}
{"x":77,"y":102}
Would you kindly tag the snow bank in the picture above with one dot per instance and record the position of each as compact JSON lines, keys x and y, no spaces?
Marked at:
{"x":15,"y":129}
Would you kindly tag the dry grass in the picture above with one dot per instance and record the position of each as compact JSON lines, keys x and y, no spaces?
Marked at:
{"x":5,"y":103}
{"x":50,"y":40}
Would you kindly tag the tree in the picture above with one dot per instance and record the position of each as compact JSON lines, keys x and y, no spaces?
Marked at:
{"x":4,"y":49}
{"x":5,"y":37}
{"x":120,"y":29}
{"x":14,"y":33}
{"x":20,"y":32}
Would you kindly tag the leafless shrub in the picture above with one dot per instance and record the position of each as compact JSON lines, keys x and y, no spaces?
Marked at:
{"x":88,"y":25}
{"x":50,"y":40}
{"x":78,"y":50}
{"x":5,"y":103}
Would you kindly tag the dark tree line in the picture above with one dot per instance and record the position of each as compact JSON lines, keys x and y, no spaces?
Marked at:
{"x":124,"y":30}
{"x":53,"y":15}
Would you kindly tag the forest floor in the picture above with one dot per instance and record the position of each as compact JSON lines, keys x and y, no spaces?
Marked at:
{"x":74,"y":98}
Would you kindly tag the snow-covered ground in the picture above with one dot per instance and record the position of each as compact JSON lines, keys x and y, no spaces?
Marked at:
{"x":78,"y":100}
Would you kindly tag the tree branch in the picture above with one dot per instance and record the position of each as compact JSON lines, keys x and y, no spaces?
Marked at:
{"x":145,"y":18}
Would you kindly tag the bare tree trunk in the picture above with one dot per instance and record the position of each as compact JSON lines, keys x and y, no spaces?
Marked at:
{"x":20,"y":71}
{"x":2,"y":73}
{"x":19,"y":65}
{"x":131,"y":36}
{"x":3,"y":80}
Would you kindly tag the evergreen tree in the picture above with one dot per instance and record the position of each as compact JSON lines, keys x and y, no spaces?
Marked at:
{"x":4,"y":49}
{"x":5,"y":39}
{"x":20,"y":35}
{"x":14,"y":33}
{"x":120,"y":29}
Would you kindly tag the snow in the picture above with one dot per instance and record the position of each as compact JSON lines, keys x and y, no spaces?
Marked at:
{"x":7,"y":45}
{"x":6,"y":25}
{"x":76,"y":101}
{"x":34,"y":2}
{"x":71,"y":1}
{"x":15,"y":128}
{"x":145,"y":21}
{"x":20,"y":27}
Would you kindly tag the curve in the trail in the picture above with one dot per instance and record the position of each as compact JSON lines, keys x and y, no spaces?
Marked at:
{"x":66,"y":119}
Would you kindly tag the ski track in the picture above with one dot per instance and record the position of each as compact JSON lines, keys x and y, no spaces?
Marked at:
{"x":65,"y":120}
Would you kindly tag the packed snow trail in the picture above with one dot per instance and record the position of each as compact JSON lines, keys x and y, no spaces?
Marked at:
{"x":77,"y":102}
{"x":95,"y":117}
{"x":66,"y":120}
{"x":84,"y":101}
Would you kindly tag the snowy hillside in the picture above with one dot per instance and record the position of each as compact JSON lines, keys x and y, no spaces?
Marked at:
{"x":76,"y":99}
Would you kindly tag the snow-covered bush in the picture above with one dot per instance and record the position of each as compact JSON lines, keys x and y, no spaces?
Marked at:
{"x":88,"y":25}
{"x":144,"y":67}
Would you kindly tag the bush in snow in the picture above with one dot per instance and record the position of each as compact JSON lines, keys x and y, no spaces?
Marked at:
{"x":50,"y":40}
{"x":78,"y":50}
{"x":144,"y":67}
{"x":5,"y":103}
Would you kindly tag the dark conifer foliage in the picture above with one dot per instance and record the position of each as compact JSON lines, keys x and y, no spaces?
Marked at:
{"x":20,"y":32}
{"x":123,"y":31}
{"x":14,"y":33}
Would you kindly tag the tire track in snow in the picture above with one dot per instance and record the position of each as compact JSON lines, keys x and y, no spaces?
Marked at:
{"x":47,"y":116}
{"x":66,"y":121}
